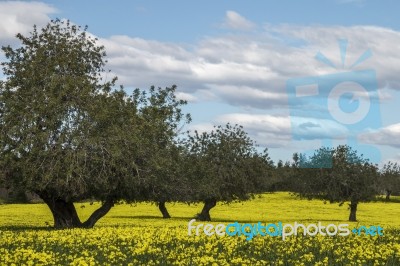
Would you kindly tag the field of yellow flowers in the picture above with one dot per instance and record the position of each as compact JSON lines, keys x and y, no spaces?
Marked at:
{"x":137,"y":235}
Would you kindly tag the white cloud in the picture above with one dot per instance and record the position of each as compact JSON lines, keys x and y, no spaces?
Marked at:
{"x":266,"y":130}
{"x":385,"y":136}
{"x":19,"y":17}
{"x":243,"y":69}
{"x":277,"y":131}
{"x":235,"y":21}
{"x":254,"y":97}
{"x":252,"y":69}
{"x":395,"y":158}
{"x":202,"y":127}
{"x":312,"y":128}
{"x":186,"y":96}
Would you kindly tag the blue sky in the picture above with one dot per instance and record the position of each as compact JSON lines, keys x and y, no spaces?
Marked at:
{"x":232,"y":59}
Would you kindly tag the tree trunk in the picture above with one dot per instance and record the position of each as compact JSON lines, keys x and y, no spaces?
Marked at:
{"x":353,"y":211}
{"x":163,"y":210}
{"x":388,"y":194}
{"x":65,"y":215}
{"x":205,"y":212}
{"x":99,"y":213}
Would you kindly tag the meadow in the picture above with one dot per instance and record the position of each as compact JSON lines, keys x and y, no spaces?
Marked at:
{"x":137,"y":235}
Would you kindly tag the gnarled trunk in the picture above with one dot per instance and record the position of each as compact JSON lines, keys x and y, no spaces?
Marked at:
{"x":65,"y":215}
{"x":353,"y":211}
{"x":163,"y":210}
{"x":205,"y":212}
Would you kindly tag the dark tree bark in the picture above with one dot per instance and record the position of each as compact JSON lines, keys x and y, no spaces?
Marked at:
{"x":163,"y":210}
{"x":353,"y":211}
{"x":205,"y":212}
{"x":388,"y":194}
{"x":65,"y":215}
{"x":99,"y":213}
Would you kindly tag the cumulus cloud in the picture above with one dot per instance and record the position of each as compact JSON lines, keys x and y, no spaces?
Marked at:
{"x":278,"y":131}
{"x":385,"y":136}
{"x":266,"y":130}
{"x":234,"y":20}
{"x":241,"y":69}
{"x":19,"y":17}
{"x":186,"y":96}
{"x":245,"y":68}
{"x":202,"y":127}
{"x":252,"y":69}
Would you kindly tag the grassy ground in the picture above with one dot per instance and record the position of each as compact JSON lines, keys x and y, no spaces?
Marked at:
{"x":137,"y":234}
{"x":271,"y":207}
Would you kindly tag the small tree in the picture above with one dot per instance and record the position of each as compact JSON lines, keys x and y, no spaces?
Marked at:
{"x":389,"y":179}
{"x":224,"y":165}
{"x":338,"y":175}
{"x":163,"y":118}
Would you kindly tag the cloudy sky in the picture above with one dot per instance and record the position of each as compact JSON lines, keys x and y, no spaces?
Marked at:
{"x":295,"y":74}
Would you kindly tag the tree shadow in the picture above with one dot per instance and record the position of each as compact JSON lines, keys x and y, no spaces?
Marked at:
{"x":154,"y":217}
{"x":25,"y":228}
{"x":276,"y":221}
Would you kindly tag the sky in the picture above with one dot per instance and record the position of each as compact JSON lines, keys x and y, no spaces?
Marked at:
{"x":296,"y":74}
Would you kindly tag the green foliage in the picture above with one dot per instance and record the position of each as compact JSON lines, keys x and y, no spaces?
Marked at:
{"x":389,"y":179}
{"x":224,"y":165}
{"x":337,"y":175}
{"x":161,"y":173}
{"x":60,"y":122}
{"x":67,"y":134}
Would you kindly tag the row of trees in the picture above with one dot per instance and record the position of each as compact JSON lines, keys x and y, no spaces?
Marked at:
{"x":338,"y":173}
{"x":66,"y":134}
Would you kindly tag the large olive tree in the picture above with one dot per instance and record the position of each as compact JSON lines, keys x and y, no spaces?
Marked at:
{"x":66,"y":134}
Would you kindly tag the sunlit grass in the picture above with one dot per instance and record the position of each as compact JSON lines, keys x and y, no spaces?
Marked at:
{"x":271,"y":207}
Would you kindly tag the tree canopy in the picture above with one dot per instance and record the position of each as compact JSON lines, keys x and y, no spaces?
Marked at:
{"x":224,"y":165}
{"x":338,"y":175}
{"x":389,"y":179}
{"x":67,"y":134}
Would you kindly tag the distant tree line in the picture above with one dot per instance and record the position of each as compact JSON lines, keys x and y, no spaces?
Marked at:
{"x":67,"y":135}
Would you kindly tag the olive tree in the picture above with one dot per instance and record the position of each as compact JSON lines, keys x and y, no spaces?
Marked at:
{"x":163,"y":181}
{"x":338,"y":175}
{"x":66,"y":133}
{"x":224,"y":165}
{"x":389,"y":179}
